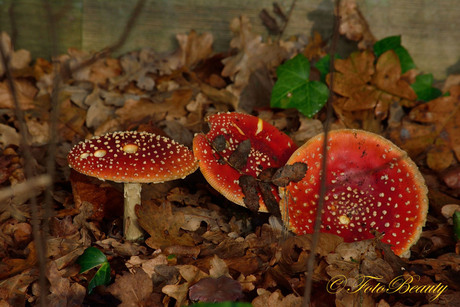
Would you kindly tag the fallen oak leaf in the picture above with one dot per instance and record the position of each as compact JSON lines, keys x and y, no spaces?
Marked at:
{"x":275,"y":299}
{"x":295,"y":250}
{"x":432,"y":125}
{"x":25,"y":94}
{"x":132,"y":289}
{"x":13,"y":290}
{"x":387,"y":77}
{"x":163,"y":225}
{"x":63,"y":292}
{"x":179,"y":292}
{"x":369,"y":87}
{"x":11,"y":267}
{"x":194,"y":48}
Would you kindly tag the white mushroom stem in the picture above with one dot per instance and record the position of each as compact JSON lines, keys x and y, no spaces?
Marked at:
{"x":132,"y":230}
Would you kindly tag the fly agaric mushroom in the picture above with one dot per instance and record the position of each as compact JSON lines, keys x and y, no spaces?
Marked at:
{"x":240,"y":145}
{"x":132,"y":158}
{"x":371,"y":184}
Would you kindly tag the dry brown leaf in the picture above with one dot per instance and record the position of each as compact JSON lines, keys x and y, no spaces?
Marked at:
{"x":191,"y":274}
{"x":63,"y":293}
{"x":366,"y":87}
{"x":194,"y":48}
{"x":452,"y":178}
{"x":173,"y":108}
{"x":103,"y":70}
{"x":25,"y":93}
{"x":432,"y":125}
{"x":345,"y":299}
{"x":163,"y":225}
{"x":10,"y":267}
{"x":71,"y":121}
{"x":315,"y":47}
{"x":253,"y":54}
{"x":218,"y":268}
{"x":13,"y":290}
{"x":9,"y":136}
{"x":439,"y":157}
{"x":133,"y":290}
{"x":275,"y":299}
{"x":19,"y":59}
{"x":295,"y":261}
{"x":353,"y":24}
{"x":107,"y":201}
{"x":387,"y":77}
{"x":193,"y":217}
{"x":98,"y":113}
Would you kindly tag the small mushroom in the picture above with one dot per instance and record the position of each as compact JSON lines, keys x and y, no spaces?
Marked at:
{"x":371,"y":184}
{"x":132,"y":158}
{"x":240,"y":145}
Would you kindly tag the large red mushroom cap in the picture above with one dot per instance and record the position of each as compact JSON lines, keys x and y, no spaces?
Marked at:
{"x":132,"y":156}
{"x":265,"y":147}
{"x":371,"y":184}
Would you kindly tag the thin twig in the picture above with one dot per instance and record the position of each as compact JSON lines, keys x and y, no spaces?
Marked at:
{"x":118,"y":44}
{"x":24,"y":145}
{"x":38,"y":182}
{"x":322,"y":191}
{"x":288,"y":17}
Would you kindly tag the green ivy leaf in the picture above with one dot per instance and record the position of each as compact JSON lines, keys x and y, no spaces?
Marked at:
{"x":293,"y":89}
{"x":388,"y":43}
{"x":456,"y":219}
{"x":394,"y":43}
{"x":423,"y":87}
{"x":324,"y":64}
{"x":91,"y":258}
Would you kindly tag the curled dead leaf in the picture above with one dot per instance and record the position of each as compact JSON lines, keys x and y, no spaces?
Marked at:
{"x":295,"y":250}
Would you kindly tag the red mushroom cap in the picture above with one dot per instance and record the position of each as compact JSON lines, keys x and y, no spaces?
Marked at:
{"x":132,"y":157}
{"x":270,"y":148}
{"x":371,"y":185}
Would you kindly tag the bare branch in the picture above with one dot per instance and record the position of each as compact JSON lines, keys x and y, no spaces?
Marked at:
{"x":322,"y":191}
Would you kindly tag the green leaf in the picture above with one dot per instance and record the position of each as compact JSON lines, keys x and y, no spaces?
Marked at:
{"x":424,"y":89}
{"x":394,"y":43}
{"x":91,"y":258}
{"x":385,"y":44}
{"x":404,"y":59}
{"x":323,"y":65}
{"x":293,"y":89}
{"x":223,"y":304}
{"x":102,"y":277}
{"x":456,"y":219}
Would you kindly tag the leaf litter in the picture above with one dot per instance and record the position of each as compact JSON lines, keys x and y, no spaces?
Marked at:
{"x":198,"y":245}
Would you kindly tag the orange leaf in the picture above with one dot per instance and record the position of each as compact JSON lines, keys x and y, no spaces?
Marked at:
{"x":388,"y":76}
